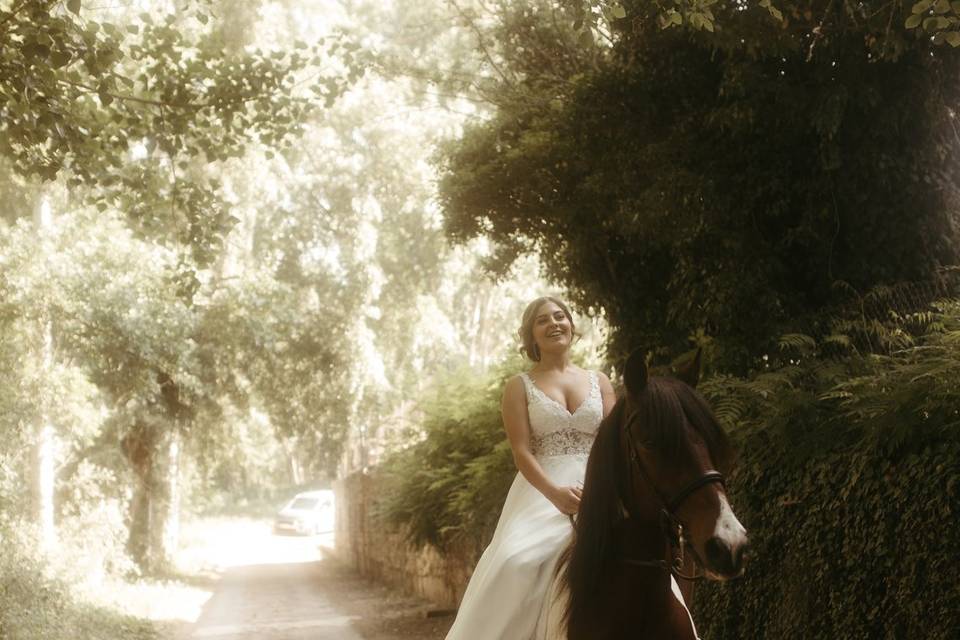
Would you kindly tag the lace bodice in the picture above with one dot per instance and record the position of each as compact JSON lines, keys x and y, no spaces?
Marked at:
{"x":554,"y":431}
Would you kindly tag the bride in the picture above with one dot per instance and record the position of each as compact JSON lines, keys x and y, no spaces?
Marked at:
{"x":551,"y":414}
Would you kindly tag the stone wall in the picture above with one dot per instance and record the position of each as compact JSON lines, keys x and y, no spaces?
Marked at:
{"x":382,"y":553}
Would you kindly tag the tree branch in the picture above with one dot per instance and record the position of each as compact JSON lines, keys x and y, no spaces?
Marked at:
{"x":818,"y":31}
{"x":125,"y":98}
{"x":480,"y":42}
{"x":193,"y":106}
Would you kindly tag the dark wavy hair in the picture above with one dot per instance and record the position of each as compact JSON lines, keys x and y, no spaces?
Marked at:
{"x":528,"y":347}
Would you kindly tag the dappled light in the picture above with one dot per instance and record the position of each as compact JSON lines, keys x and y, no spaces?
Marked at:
{"x":214,"y":545}
{"x":264,"y":267}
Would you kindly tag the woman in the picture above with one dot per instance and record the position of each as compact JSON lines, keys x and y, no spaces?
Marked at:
{"x":551,"y":414}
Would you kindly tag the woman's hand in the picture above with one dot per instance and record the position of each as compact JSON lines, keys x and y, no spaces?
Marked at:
{"x":566,"y":499}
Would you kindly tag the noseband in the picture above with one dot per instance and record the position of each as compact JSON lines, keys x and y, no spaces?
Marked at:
{"x":672,"y":527}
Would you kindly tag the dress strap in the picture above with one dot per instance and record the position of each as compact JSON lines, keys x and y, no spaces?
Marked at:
{"x":533,"y":391}
{"x":527,"y":384}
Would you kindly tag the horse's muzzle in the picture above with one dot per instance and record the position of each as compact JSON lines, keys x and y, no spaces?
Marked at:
{"x":725,"y":559}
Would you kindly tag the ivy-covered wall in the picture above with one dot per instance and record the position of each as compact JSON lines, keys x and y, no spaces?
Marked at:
{"x":852,"y":544}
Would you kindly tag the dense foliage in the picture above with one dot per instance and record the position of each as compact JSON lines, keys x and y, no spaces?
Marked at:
{"x":453,"y":482}
{"x":82,"y":92}
{"x":715,"y":182}
{"x":732,"y":174}
{"x":221,"y":262}
{"x":847,"y":481}
{"x":849,"y":456}
{"x":220,"y":259}
{"x":34,"y":606}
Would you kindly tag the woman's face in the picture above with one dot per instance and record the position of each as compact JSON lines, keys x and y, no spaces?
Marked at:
{"x":552,"y":330}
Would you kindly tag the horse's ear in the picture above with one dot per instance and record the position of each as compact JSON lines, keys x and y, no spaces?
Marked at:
{"x":690,"y":372}
{"x":635,"y":372}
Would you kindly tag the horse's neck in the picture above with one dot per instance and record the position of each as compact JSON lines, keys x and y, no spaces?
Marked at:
{"x":654,"y":611}
{"x":642,"y":540}
{"x":633,"y":601}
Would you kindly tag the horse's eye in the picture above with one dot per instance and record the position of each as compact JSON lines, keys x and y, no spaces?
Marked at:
{"x":645,"y":443}
{"x":642,"y":440}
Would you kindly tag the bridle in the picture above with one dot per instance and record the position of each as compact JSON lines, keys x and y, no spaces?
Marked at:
{"x":672,"y":527}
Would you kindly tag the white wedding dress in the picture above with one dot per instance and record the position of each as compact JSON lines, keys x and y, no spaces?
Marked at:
{"x":511,"y":594}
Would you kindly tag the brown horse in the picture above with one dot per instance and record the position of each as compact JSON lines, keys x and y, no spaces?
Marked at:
{"x":653,"y":495}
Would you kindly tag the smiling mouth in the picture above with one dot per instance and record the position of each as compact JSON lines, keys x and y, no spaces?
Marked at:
{"x":554,"y":334}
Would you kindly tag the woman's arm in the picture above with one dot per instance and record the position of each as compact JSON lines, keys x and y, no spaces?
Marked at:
{"x":517,"y":424}
{"x":607,"y":393}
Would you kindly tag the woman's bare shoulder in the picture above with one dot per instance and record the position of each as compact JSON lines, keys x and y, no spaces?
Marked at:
{"x":514,"y":388}
{"x":602,"y":377}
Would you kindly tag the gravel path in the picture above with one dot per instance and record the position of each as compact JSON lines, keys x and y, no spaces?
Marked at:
{"x":275,"y":602}
{"x":295,"y":593}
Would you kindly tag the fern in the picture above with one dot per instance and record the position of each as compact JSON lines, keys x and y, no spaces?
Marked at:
{"x":797,"y":341}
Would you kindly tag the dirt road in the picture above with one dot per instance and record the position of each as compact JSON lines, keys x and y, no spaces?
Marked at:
{"x":283,"y":588}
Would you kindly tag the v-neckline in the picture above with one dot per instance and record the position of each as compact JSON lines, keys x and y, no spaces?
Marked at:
{"x":554,"y":400}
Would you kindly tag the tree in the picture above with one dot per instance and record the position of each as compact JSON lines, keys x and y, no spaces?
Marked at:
{"x":717,"y":182}
{"x":80,"y":96}
{"x":131,"y":114}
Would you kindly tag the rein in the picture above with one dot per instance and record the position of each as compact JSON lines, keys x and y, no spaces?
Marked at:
{"x":672,"y":527}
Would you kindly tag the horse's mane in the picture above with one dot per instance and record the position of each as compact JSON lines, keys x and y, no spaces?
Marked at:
{"x":663,"y":409}
{"x":583,"y":561}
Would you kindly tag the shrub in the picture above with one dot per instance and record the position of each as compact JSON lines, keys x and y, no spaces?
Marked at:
{"x":849,"y":483}
{"x":848,"y":480}
{"x":36,"y":606}
{"x":452,"y":482}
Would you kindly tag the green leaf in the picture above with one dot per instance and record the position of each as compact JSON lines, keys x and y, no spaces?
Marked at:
{"x":952,"y":38}
{"x":913,"y":21}
{"x":922,"y":6}
{"x":941,"y":7}
{"x":935,"y":24}
{"x":104,"y":95}
{"x":619,"y":12}
{"x":60,"y":58}
{"x":74,"y":6}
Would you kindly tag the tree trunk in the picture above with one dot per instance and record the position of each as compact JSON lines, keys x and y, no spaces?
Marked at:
{"x":42,"y":484}
{"x":296,"y":471}
{"x":42,"y":467}
{"x":138,"y":448}
{"x":154,"y":456}
{"x":164,"y":503}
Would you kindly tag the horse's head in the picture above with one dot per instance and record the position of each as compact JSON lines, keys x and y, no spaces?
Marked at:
{"x":677,"y":454}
